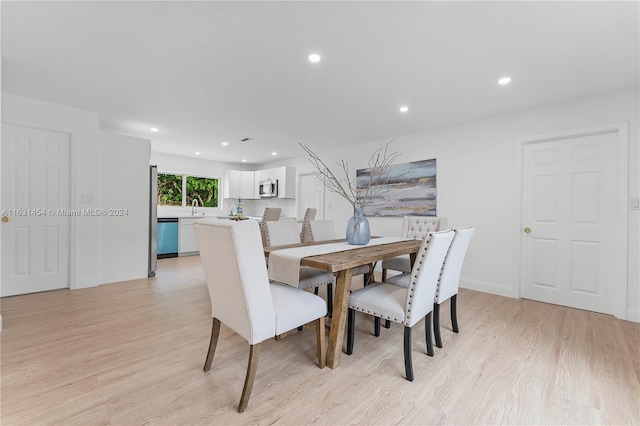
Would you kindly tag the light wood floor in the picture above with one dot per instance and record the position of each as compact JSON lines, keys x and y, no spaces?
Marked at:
{"x":132,"y":353}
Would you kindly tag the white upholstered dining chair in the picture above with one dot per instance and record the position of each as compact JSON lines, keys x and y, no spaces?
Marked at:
{"x":269,"y":214}
{"x":449,"y":280}
{"x":321,"y":230}
{"x":286,"y":232}
{"x":412,"y":227}
{"x":242,"y":297}
{"x":408,"y":305}
{"x":309,"y":214}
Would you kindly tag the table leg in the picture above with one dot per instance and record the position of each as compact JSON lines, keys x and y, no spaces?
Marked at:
{"x":339,"y":318}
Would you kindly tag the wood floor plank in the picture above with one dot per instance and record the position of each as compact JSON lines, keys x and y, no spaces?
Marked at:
{"x":132,"y":353}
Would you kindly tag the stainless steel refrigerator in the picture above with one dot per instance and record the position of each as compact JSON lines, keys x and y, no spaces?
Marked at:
{"x":153,"y":220}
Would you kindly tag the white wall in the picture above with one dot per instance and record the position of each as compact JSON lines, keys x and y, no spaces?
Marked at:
{"x":124,"y":189}
{"x":476,"y":182}
{"x":94,"y":260}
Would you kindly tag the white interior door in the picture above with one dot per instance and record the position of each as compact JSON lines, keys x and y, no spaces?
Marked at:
{"x":311,"y":195}
{"x":35,"y":188}
{"x":569,"y":218}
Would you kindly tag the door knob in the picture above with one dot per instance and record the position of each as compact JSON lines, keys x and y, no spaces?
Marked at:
{"x":527,"y":230}
{"x":6,"y":219}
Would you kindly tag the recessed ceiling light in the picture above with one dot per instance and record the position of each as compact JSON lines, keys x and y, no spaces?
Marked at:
{"x":153,"y":129}
{"x":504,"y":80}
{"x":404,"y":109}
{"x":244,"y":160}
{"x":197,"y":152}
{"x":274,"y":153}
{"x":225,"y":143}
{"x":314,"y":57}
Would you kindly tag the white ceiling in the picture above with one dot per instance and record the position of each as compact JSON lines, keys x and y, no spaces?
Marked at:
{"x":207,"y":72}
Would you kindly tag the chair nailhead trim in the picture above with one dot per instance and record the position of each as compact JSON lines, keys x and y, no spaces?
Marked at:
{"x":394,"y":319}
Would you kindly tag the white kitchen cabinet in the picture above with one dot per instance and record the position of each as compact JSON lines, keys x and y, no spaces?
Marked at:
{"x":267,"y":174}
{"x":286,"y":182}
{"x":248,"y":187}
{"x":244,"y":183}
{"x":187,"y":243}
{"x":286,"y":177}
{"x":240,"y":184}
{"x":231,"y":184}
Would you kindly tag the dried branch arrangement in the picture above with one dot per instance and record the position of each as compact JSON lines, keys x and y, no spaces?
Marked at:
{"x":372,"y":192}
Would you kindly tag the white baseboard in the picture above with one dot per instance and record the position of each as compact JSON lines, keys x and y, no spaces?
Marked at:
{"x":488,"y":287}
{"x":85,"y":282}
{"x":633,"y":315}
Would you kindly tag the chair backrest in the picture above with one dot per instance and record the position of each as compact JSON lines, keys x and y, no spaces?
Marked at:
{"x":282,"y":232}
{"x":309,"y":214}
{"x":419,"y":226}
{"x":271,"y":213}
{"x":305,"y":234}
{"x":236,"y":275}
{"x":450,"y":275}
{"x":424,"y":276}
{"x":322,"y":230}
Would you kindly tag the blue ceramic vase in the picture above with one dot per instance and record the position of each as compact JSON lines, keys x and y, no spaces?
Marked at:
{"x":358,"y":232}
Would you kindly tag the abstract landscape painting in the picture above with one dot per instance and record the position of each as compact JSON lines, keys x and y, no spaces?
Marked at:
{"x":411,"y":190}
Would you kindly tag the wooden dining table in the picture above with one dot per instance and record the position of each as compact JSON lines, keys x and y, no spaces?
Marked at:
{"x":342,"y":263}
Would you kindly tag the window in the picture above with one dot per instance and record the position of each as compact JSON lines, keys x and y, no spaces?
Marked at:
{"x":169,"y":190}
{"x":203,"y":189}
{"x":172,"y":189}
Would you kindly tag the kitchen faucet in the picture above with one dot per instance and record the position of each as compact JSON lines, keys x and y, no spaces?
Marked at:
{"x":194,"y":207}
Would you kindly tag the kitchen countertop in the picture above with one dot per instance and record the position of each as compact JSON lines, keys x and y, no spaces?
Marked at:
{"x":183,"y":216}
{"x":199,"y":216}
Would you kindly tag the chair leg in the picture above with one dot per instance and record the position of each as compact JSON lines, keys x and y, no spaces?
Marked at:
{"x":408,"y":366}
{"x":436,"y":324}
{"x":351,"y":325}
{"x":454,"y":313}
{"x":330,"y":299}
{"x":252,"y":367}
{"x":213,"y":343}
{"x":427,"y":334}
{"x":387,"y":324}
{"x":315,"y":291}
{"x":320,"y":342}
{"x":384,"y":275}
{"x":376,"y":326}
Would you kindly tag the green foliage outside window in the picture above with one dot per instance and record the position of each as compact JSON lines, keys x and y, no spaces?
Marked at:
{"x":169,"y":190}
{"x":205,"y":190}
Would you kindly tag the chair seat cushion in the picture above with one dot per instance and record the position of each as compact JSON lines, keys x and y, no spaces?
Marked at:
{"x":401,"y":280}
{"x":399,"y":263}
{"x":294,"y":307}
{"x":313,"y":277}
{"x":383,"y":300}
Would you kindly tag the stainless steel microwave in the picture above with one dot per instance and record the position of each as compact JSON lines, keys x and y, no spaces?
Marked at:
{"x":268,"y":188}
